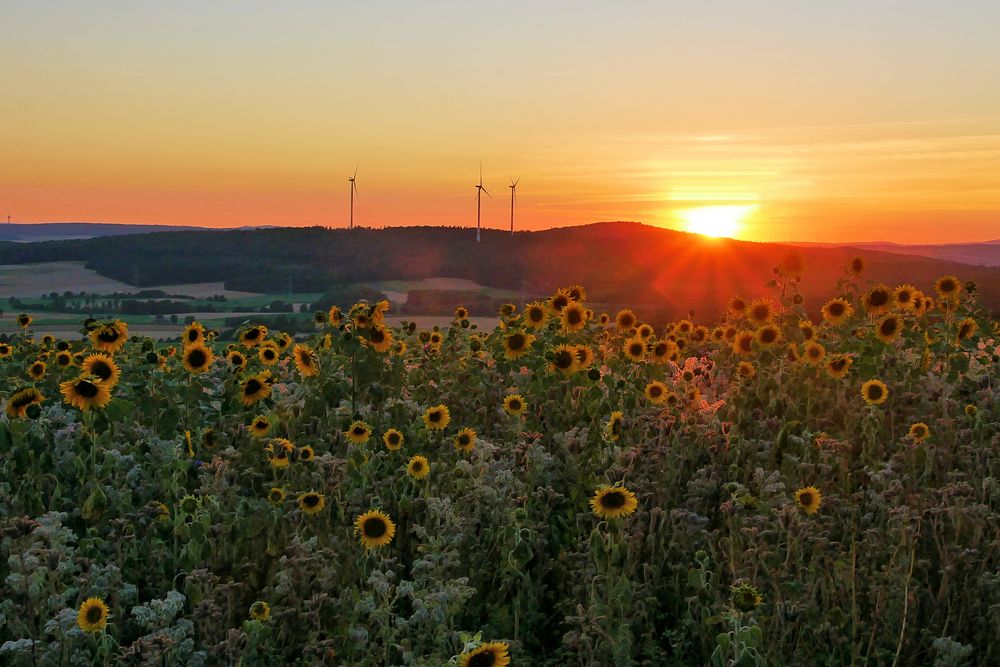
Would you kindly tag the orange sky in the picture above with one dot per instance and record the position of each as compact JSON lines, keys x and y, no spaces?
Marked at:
{"x":842,"y":121}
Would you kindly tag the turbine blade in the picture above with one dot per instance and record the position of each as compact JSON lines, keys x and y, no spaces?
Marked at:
{"x":355,"y":171}
{"x":487,"y":193}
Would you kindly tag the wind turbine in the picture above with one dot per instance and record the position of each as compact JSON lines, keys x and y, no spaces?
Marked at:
{"x":354,"y":189}
{"x":479,"y":191}
{"x":513,"y":189}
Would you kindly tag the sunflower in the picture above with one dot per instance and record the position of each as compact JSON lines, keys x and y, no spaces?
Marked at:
{"x":334,"y":316}
{"x":656,"y":392}
{"x":93,"y":615}
{"x":311,"y":502}
{"x":236,"y":360}
{"x":276,"y":495}
{"x":103,"y":367}
{"x":393,"y":439}
{"x":738,"y":306}
{"x":573,"y":317}
{"x":24,"y":320}
{"x":109,"y":337}
{"x":971,"y":410}
{"x":306,"y":360}
{"x":604,"y":319}
{"x":85,"y":392}
{"x":576,"y":293}
{"x":559,"y":301}
{"x":256,"y":388}
{"x":967,"y":328}
{"x":252,"y":336}
{"x":879,"y":300}
{"x":613,"y":431}
{"x":319,"y":318}
{"x":268,"y":353}
{"x":644,"y":331}
{"x":838,"y":365}
{"x":663,"y":351}
{"x":280,"y":452}
{"x":584,"y":356}
{"x":743,"y":343}
{"x":888,"y":328}
{"x":761,"y":311}
{"x":306,"y":454}
{"x":6,"y":351}
{"x":767,"y":336}
{"x":260,"y":611}
{"x":792,"y":265}
{"x":418,"y":467}
{"x":904,"y":296}
{"x":488,"y":654}
{"x":283,"y":341}
{"x":625,"y":319}
{"x":260,"y":426}
{"x":517,"y":344}
{"x":436,"y":339}
{"x":379,"y":338}
{"x":535,"y":315}
{"x":837,"y":310}
{"x":193,"y":333}
{"x":947,"y":287}
{"x":359,"y":432}
{"x":20,"y":401}
{"x":436,"y":418}
{"x":461,"y":313}
{"x":809,"y":499}
{"x":375,"y":529}
{"x":683,"y":327}
{"x":808,"y":330}
{"x":64,"y":359}
{"x":514,"y":405}
{"x":813,"y":353}
{"x":746,"y":370}
{"x":197,"y":358}
{"x":874,"y":392}
{"x":36,"y":371}
{"x":744,"y":596}
{"x":856,"y":266}
{"x":564,"y":360}
{"x":634,"y":349}
{"x":919,"y":432}
{"x":613,"y":502}
{"x":465,"y":440}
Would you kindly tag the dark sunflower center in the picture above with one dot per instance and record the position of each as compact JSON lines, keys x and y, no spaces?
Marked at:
{"x":814,"y":352}
{"x":252,"y":334}
{"x":484,"y":659}
{"x":768,"y":335}
{"x":516,"y":342}
{"x":560,"y":302}
{"x":739,"y":305}
{"x":237,"y":360}
{"x":435,"y":416}
{"x":464,"y":439}
{"x":836,"y":309}
{"x":613,"y":500}
{"x":374,"y":527}
{"x":806,"y":499}
{"x":616,"y":427}
{"x":574,"y":316}
{"x":197,"y":358}
{"x":656,"y":391}
{"x":305,"y":359}
{"x":919,"y":431}
{"x":109,"y":335}
{"x":879,"y":298}
{"x":63,"y":359}
{"x":635,"y":349}
{"x":515,"y":404}
{"x":101,"y":369}
{"x":359,"y":430}
{"x":745,"y":343}
{"x":903,"y":296}
{"x":310,"y":500}
{"x":874,"y":392}
{"x":660,"y":350}
{"x":888,"y":327}
{"x":761,"y":312}
{"x":947,"y":286}
{"x":627,"y":321}
{"x":252,"y":387}
{"x":838,"y":364}
{"x":563,"y":359}
{"x":86,"y":389}
{"x":193,"y":335}
{"x":269,"y":354}
{"x":378,"y":336}
{"x":37,"y":369}
{"x":94,"y":614}
{"x":417,"y":466}
{"x":393,"y":438}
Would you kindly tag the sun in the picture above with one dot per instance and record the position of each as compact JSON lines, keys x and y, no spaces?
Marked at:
{"x":716,"y":221}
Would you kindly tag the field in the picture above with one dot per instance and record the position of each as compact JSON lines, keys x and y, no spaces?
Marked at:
{"x":553,"y":487}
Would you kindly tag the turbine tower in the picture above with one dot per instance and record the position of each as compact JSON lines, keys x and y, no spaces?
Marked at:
{"x":513,"y":190}
{"x":354,"y":189}
{"x":479,"y":191}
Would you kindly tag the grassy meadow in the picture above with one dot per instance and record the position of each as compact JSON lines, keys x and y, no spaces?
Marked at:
{"x":567,"y":487}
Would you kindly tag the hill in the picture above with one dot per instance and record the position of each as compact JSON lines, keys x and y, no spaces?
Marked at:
{"x":67,"y":231}
{"x":986,"y":253}
{"x":667,"y":272}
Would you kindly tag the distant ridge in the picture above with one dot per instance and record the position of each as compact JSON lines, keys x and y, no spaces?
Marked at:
{"x":620,"y":263}
{"x":983,"y":253}
{"x":28,"y":232}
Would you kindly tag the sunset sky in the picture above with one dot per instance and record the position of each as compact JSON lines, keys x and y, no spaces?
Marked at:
{"x":809,"y":121}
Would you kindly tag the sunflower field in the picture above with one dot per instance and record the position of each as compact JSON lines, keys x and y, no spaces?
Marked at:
{"x":781,"y":487}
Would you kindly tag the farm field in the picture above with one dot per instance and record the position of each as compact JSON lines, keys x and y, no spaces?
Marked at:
{"x":552,"y":486}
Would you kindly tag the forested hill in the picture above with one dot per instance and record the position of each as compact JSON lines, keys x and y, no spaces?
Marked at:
{"x":618,"y":262}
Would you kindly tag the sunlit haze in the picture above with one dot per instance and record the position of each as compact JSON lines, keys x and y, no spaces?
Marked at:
{"x":818,"y":121}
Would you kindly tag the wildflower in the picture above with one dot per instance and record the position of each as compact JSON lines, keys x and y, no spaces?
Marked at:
{"x":359,"y":432}
{"x":465,"y":440}
{"x":418,"y":467}
{"x":197,"y":358}
{"x":517,"y":344}
{"x":919,"y":432}
{"x":375,"y":529}
{"x":809,"y":499}
{"x":20,"y":401}
{"x":745,"y":597}
{"x":93,"y":615}
{"x":260,"y":611}
{"x":306,"y":360}
{"x":311,"y":502}
{"x":514,"y":405}
{"x":85,"y":392}
{"x":437,"y":418}
{"x":492,"y":654}
{"x":393,"y":439}
{"x":874,"y":392}
{"x":656,"y":392}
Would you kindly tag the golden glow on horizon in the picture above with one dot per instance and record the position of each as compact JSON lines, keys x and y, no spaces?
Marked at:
{"x":716,"y":221}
